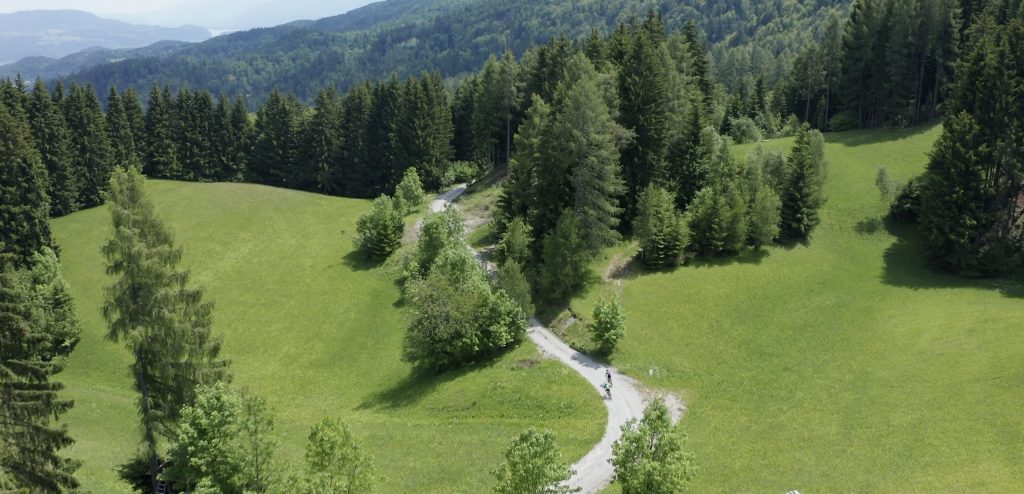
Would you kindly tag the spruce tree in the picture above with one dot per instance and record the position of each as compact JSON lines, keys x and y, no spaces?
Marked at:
{"x":588,"y":133}
{"x":660,"y":229}
{"x":644,"y":103}
{"x":119,"y":130}
{"x":51,"y":308}
{"x":29,"y":402}
{"x":424,"y":131}
{"x":564,"y":259}
{"x":804,"y":191}
{"x":494,"y":109}
{"x":159,"y":146}
{"x":24,"y":205}
{"x":50,"y":131}
{"x":379,"y":170}
{"x":522,"y":193}
{"x":275,"y":150}
{"x":152,"y":309}
{"x":355,"y":160}
{"x":90,"y":144}
{"x":322,"y":145}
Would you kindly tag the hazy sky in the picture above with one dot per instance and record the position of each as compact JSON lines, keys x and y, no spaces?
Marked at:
{"x":108,"y":7}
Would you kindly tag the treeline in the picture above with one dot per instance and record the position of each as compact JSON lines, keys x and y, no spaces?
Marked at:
{"x":891,"y":64}
{"x":970,"y":200}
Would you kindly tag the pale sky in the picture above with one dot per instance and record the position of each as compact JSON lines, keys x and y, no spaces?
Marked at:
{"x":107,"y":7}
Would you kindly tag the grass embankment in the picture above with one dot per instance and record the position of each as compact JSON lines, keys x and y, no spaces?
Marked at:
{"x":318,"y":332}
{"x":845,"y":365}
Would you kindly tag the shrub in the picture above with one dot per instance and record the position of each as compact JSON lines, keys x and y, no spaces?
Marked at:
{"x":608,"y":326}
{"x":744,"y":130}
{"x":379,"y":232}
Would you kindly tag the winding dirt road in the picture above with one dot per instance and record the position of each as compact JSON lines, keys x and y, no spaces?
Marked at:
{"x":594,"y":471}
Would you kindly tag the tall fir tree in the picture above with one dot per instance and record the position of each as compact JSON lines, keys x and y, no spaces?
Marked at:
{"x":29,"y":401}
{"x":275,"y":149}
{"x":588,"y":132}
{"x":159,"y":146}
{"x":52,"y":139}
{"x":356,"y":107}
{"x":90,"y":144}
{"x":24,"y":205}
{"x":380,"y":170}
{"x":119,"y":130}
{"x":643,"y":96}
{"x":803,"y":193}
{"x":322,"y":145}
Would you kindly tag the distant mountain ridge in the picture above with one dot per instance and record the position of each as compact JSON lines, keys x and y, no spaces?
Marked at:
{"x":454,"y":37}
{"x":58,"y":33}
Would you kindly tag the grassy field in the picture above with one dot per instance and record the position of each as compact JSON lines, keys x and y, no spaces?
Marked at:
{"x":318,"y":332}
{"x":842,"y":366}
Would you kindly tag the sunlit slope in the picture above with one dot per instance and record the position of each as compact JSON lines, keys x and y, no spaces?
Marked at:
{"x":318,"y":333}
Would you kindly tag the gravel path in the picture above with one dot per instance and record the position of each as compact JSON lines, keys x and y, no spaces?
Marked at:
{"x":595,"y":470}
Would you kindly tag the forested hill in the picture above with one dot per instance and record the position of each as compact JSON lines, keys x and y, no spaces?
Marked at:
{"x":455,"y":37}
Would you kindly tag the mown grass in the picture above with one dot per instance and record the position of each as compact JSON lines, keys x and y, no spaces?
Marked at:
{"x":845,"y":365}
{"x":317,"y":331}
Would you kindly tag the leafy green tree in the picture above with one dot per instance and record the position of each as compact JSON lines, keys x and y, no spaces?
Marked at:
{"x":52,"y":138}
{"x":803,"y":193}
{"x":457,"y":317}
{"x":608,"y":326}
{"x":24,"y":205}
{"x":409,"y":193}
{"x":660,"y":228}
{"x":512,"y":280}
{"x":51,"y":308}
{"x":440,"y":231}
{"x":649,"y":457}
{"x":154,"y":312}
{"x":29,"y":404}
{"x":90,"y":145}
{"x":379,"y":232}
{"x":336,"y":461}
{"x":564,"y":259}
{"x":533,"y":465}
{"x":224,"y":440}
{"x":515,"y":243}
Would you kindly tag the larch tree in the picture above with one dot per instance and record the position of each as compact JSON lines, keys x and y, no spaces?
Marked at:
{"x":152,"y":309}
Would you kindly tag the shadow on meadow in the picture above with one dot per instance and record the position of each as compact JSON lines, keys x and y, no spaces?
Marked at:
{"x":356,"y":261}
{"x":419,"y":384}
{"x":854,"y":138}
{"x":906,"y":267}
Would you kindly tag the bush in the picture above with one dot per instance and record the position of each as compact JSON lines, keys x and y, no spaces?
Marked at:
{"x":457,"y":318}
{"x":843,"y":121}
{"x":440,"y":231}
{"x":791,"y":127}
{"x":459,"y":172}
{"x":515,"y":243}
{"x":608,"y":326}
{"x":512,"y":280}
{"x":379,"y":232}
{"x":409,"y":193}
{"x":905,"y":208}
{"x":744,"y":130}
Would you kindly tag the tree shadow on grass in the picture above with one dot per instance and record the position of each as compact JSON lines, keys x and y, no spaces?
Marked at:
{"x":906,"y":267}
{"x":748,"y":256}
{"x":869,"y":226}
{"x":855,"y":138}
{"x":356,"y":261}
{"x":418,"y":384}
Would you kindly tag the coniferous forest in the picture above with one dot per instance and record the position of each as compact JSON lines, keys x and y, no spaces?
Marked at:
{"x":622,"y":129}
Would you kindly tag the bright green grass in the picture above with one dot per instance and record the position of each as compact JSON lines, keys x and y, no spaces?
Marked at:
{"x":317,"y":332}
{"x":842,"y":366}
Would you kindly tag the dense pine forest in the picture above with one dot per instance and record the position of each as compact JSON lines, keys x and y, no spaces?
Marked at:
{"x":603,"y":120}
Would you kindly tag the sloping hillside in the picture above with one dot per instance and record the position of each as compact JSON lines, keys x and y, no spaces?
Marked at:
{"x":318,"y":332}
{"x":456,"y":36}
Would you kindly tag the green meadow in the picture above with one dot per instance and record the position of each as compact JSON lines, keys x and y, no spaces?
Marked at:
{"x":845,"y":365}
{"x":318,"y":332}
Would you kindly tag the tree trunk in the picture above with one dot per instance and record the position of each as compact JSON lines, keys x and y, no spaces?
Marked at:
{"x":147,"y":424}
